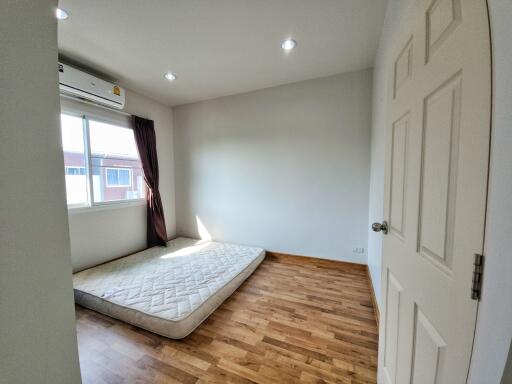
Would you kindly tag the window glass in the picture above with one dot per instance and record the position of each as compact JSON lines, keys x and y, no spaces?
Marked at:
{"x":112,"y":178}
{"x":74,"y":159}
{"x":116,"y":168}
{"x":124,"y":177}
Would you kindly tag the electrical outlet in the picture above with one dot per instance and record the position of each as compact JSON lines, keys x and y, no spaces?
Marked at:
{"x":358,"y":250}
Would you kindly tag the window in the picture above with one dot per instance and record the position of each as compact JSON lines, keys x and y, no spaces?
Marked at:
{"x":101,"y":162}
{"x":118,"y":177}
{"x":75,"y":171}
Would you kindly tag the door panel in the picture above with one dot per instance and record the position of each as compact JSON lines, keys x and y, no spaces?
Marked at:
{"x":438,"y":118}
{"x":426,"y":354}
{"x":392,"y":321}
{"x":398,"y":175}
{"x":403,"y":67}
{"x":438,"y":183}
{"x":442,"y":18}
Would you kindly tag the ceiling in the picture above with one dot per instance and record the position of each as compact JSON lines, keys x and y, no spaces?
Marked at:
{"x":218,"y":47}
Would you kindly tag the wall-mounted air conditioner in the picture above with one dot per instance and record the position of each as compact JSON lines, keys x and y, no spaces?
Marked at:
{"x":77,"y":83}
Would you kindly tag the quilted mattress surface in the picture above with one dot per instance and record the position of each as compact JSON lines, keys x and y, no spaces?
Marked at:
{"x":169,"y":291}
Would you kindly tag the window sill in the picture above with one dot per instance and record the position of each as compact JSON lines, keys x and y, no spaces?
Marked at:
{"x":73,"y":210}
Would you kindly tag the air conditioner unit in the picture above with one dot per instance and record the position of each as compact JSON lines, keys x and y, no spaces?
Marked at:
{"x":77,"y":83}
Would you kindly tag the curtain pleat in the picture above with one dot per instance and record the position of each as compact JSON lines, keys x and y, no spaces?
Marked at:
{"x":145,"y":138}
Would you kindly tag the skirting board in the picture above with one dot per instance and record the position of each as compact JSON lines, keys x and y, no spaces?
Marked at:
{"x":374,"y":297}
{"x":295,"y":259}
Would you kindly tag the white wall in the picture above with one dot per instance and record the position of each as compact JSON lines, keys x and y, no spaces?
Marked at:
{"x":494,"y":325}
{"x":37,"y":323}
{"x":99,"y":235}
{"x":285,"y":168}
{"x":396,"y":17}
{"x":494,"y":322}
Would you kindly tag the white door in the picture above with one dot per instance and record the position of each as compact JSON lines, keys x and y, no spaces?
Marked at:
{"x":436,"y":181}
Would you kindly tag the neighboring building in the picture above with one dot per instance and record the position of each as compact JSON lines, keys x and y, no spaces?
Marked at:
{"x":114,"y":178}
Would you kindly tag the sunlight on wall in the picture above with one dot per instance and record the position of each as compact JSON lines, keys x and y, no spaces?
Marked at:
{"x":201,"y":229}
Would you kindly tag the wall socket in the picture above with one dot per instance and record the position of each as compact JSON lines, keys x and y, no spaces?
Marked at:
{"x":358,"y":250}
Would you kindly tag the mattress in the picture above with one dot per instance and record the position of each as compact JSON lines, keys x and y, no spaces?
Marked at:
{"x":168,"y":291}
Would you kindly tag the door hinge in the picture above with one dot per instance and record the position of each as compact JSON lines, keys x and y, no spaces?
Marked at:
{"x":478,"y":270}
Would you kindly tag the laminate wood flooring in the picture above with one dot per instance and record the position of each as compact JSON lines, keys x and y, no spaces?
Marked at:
{"x":294,"y":320}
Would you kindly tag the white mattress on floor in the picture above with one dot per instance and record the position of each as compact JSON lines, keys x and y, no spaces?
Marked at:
{"x":169,"y":291}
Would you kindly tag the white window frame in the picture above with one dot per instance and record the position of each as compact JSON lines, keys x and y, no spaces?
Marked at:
{"x":91,"y":204}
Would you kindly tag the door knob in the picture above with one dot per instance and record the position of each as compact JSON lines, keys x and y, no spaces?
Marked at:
{"x":377,"y":227}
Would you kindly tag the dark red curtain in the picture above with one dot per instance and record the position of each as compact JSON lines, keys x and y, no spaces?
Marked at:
{"x":146,"y":143}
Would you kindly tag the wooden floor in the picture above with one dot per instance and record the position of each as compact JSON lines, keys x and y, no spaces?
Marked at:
{"x":311,"y":322}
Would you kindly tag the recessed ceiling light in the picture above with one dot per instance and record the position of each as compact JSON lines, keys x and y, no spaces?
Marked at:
{"x":61,"y":14}
{"x":170,"y":76}
{"x":288,"y":44}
